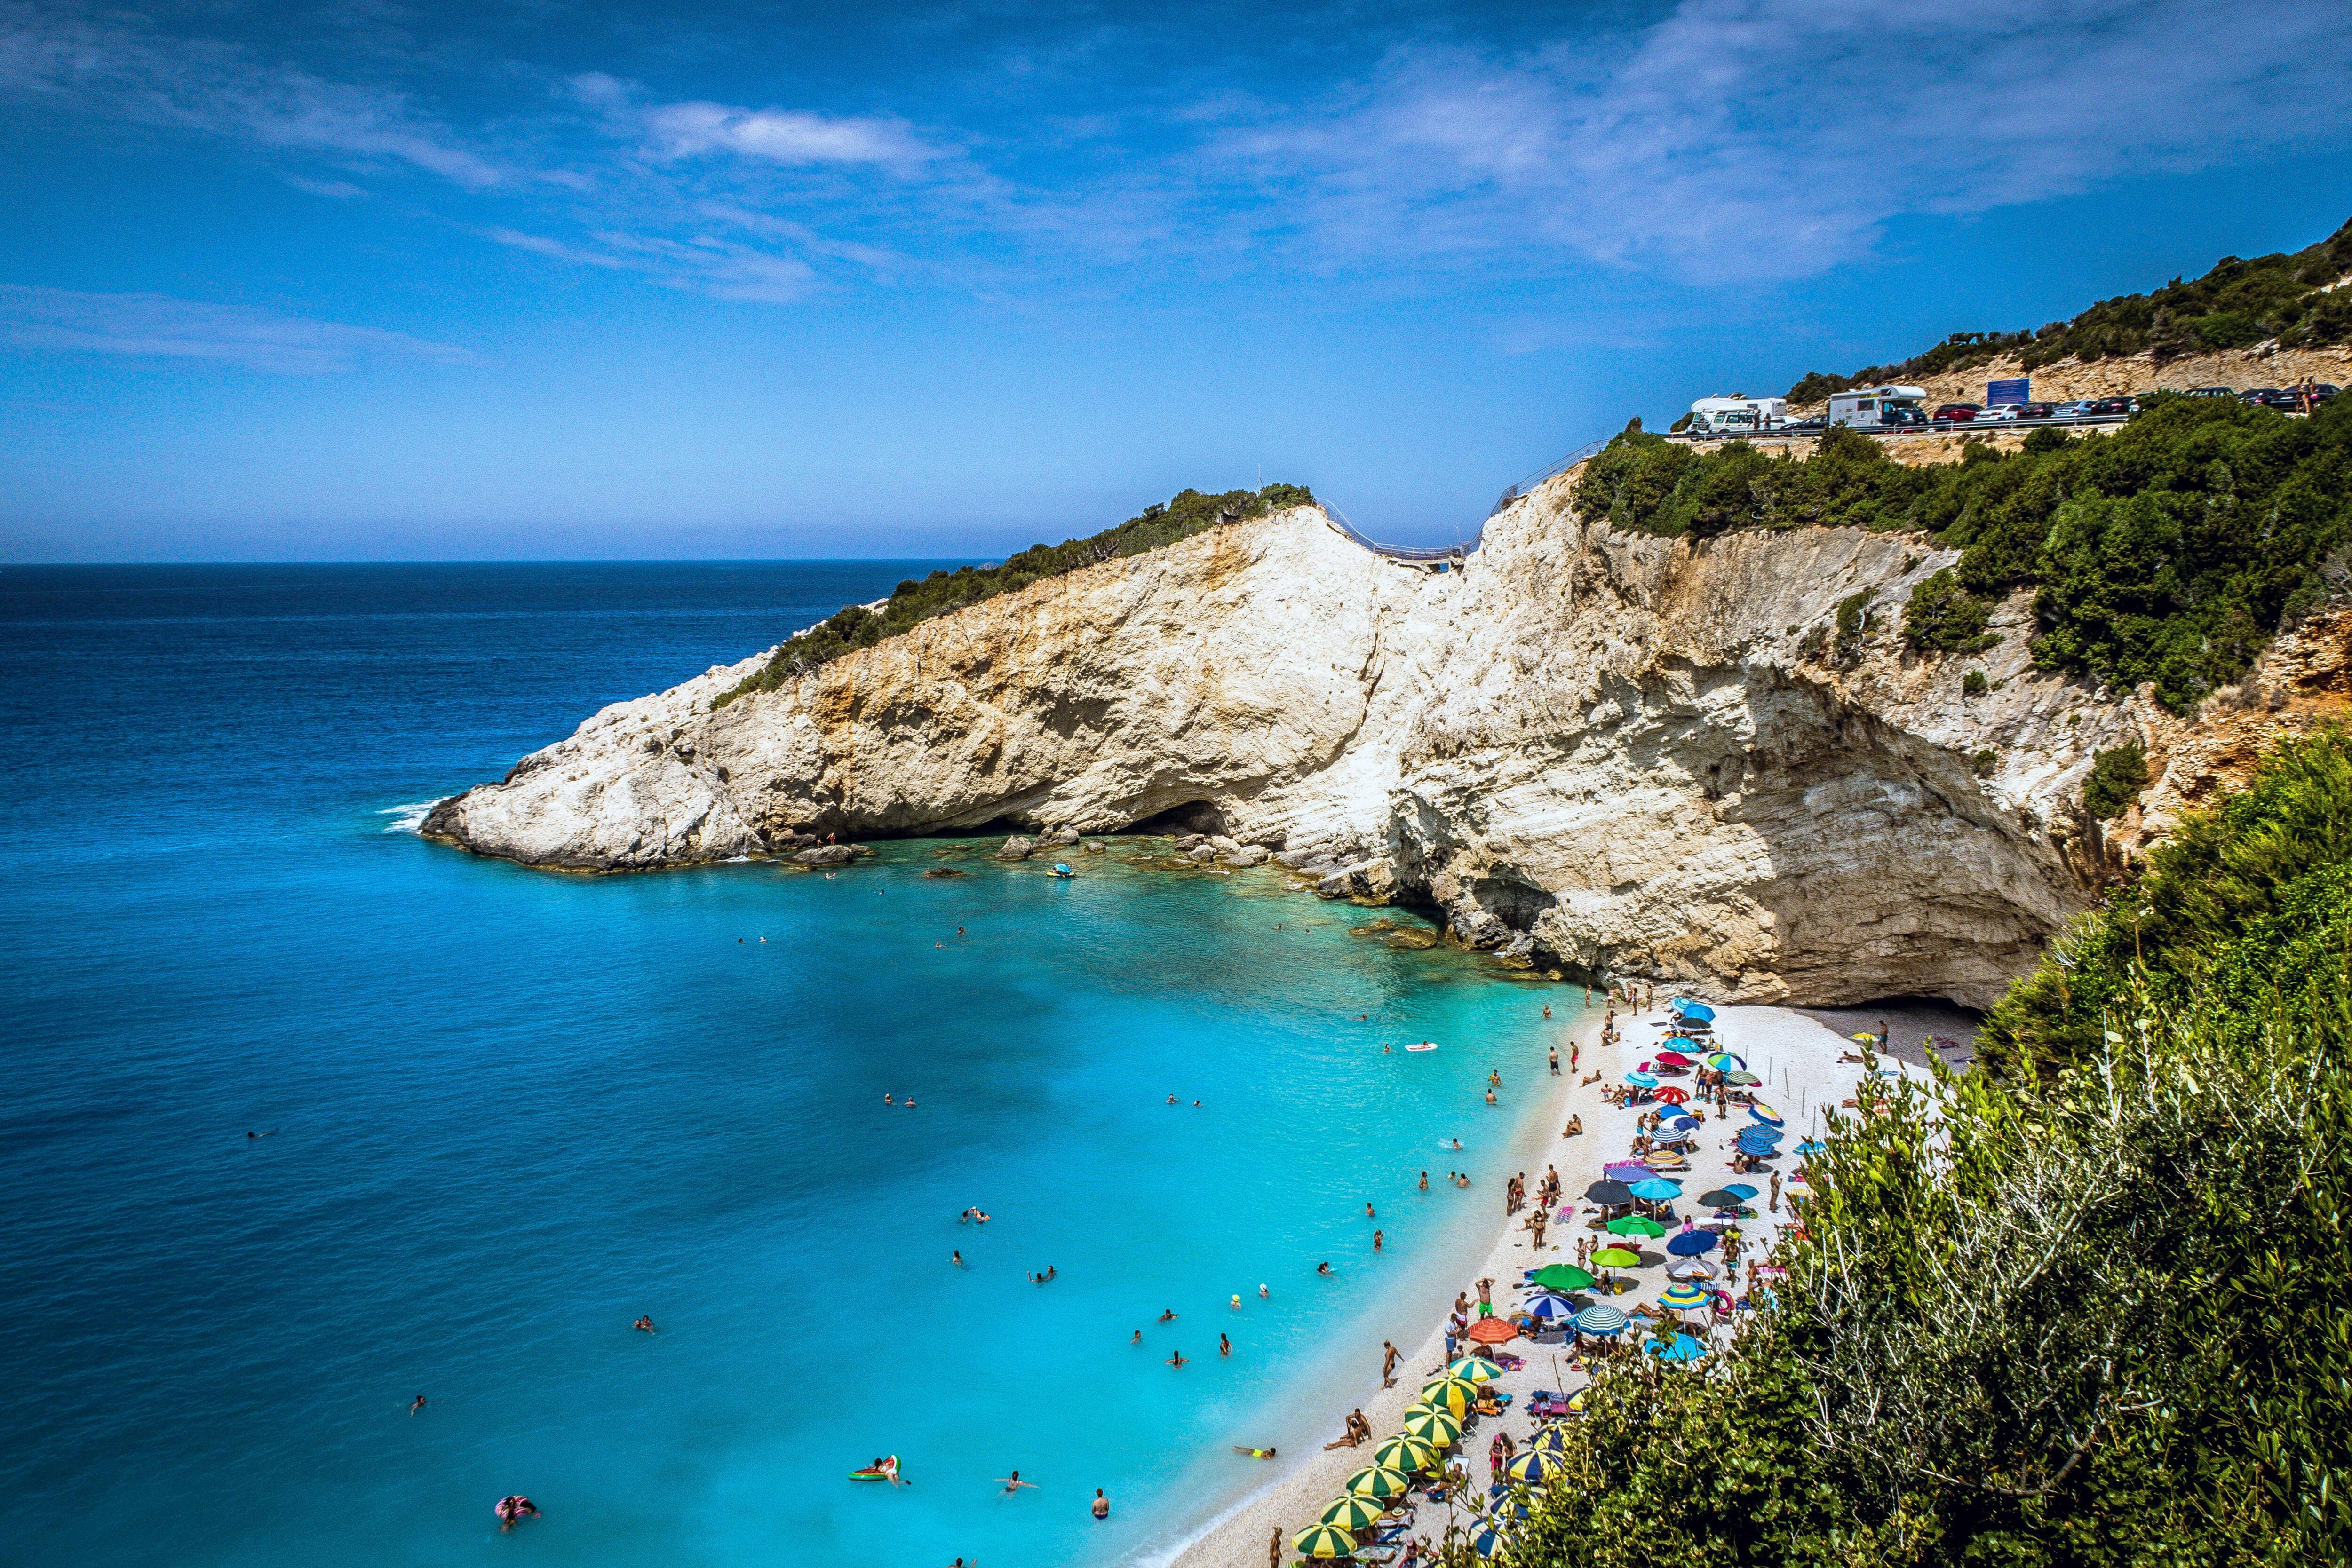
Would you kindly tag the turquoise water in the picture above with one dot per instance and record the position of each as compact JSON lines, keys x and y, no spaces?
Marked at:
{"x":511,"y":1110}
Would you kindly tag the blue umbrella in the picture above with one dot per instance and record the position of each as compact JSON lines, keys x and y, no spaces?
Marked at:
{"x":1739,"y":1190}
{"x":1641,"y":1081}
{"x":1811,"y":1146}
{"x":1550,"y":1309}
{"x":1683,"y":1348}
{"x":1657,"y":1189}
{"x":1759,"y":1141}
{"x":1691,"y":1010}
{"x":1488,"y":1541}
{"x":1683,"y":1124}
{"x":1599,"y":1320}
{"x":1691,"y":1243}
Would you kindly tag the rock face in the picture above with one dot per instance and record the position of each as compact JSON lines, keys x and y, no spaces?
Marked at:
{"x":1609,"y":753}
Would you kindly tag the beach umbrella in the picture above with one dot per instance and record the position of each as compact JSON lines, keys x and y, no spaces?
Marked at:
{"x":1377,"y":1481}
{"x":1641,"y":1081}
{"x":1553,"y":1436}
{"x":1682,"y":1297}
{"x":1617,"y":1257}
{"x":1739,"y":1190}
{"x":1352,"y":1514}
{"x":1674,"y":1059}
{"x":1455,"y":1396}
{"x":1725,"y":1061}
{"x":1475,"y":1369}
{"x":1691,"y":1243}
{"x":1608,"y":1194}
{"x":1406,"y":1453}
{"x":1636,"y":1224}
{"x":1564,"y":1277}
{"x":1811,"y":1146}
{"x":1626,"y":1169}
{"x":1434,"y":1427}
{"x":1657,"y":1189}
{"x":1682,"y":1123}
{"x":1491,"y":1331}
{"x":1670,"y":1095}
{"x":1693,"y":1009}
{"x":1600,"y":1319}
{"x":1690,"y":1269}
{"x":1324,"y":1541}
{"x":1489,"y":1540}
{"x":1766,"y":1114}
{"x":1865,"y":1039}
{"x":1551,"y":1309}
{"x":1535,"y":1467}
{"x":1759,"y":1142}
{"x":1742,"y":1080}
{"x":1721,"y":1197}
{"x":1681,"y":1348}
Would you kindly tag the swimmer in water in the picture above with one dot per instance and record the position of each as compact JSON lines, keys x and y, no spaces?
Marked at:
{"x":1425,"y":1181}
{"x":1013,"y":1483}
{"x":1547,"y":1010}
{"x":1261,"y":1292}
{"x":644,"y":1324}
{"x":1236,"y":1303}
{"x":1368,"y":1211}
{"x":1376,"y":1240}
{"x":271,"y":1134}
{"x":1167,"y":1314}
{"x":886,"y":1097}
{"x":1225,"y":1345}
{"x":1254,"y":1453}
{"x":1490,"y":1096}
{"x":1137,"y":1339}
{"x":1172,"y":1099}
{"x":1176,"y":1359}
{"x":413,"y":1410}
{"x":956,"y":1258}
{"x":1324,"y":1269}
{"x":1457,"y":1144}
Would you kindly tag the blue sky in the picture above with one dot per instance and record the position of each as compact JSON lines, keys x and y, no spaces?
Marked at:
{"x":388,"y":280}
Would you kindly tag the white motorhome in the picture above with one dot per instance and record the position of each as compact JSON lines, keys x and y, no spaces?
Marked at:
{"x":1875,"y":408}
{"x":1737,"y":415}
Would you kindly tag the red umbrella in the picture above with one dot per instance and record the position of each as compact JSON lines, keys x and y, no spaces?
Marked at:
{"x":1491,"y":1331}
{"x":1670,"y":1095}
{"x":1674,"y":1058}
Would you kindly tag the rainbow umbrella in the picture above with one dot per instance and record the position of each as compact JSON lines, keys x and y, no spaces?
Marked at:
{"x":1353,"y":1513}
{"x":1636,"y":1224}
{"x":1682,"y":1297}
{"x":1535,"y":1467}
{"x":1617,"y":1257}
{"x":1434,"y":1427}
{"x":1723,"y":1062}
{"x":1766,"y":1114}
{"x":1324,"y":1541}
{"x":1473,"y":1370}
{"x":1405,"y":1453}
{"x":1378,"y":1480}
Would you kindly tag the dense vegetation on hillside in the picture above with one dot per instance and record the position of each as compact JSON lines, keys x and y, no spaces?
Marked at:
{"x":2166,"y":552}
{"x":1189,"y":512}
{"x":2088,"y":1317}
{"x":2236,"y":304}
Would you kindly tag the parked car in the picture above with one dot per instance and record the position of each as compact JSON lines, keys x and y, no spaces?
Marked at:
{"x":2322,"y":390}
{"x":1998,"y":413}
{"x":2209,"y":391}
{"x":2076,"y":409}
{"x":2260,"y":397}
{"x":1957,"y":414}
{"x":2111,"y":407}
{"x":1812,"y":426}
{"x":1900,"y":414}
{"x":2037,"y":411}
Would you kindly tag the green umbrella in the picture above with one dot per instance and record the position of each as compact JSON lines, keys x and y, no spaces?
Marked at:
{"x":1455,"y":1396}
{"x":1436,"y":1427}
{"x":1324,"y":1541}
{"x":1378,"y":1480}
{"x":1475,"y":1369}
{"x":1617,"y":1257}
{"x":1636,"y":1224}
{"x":1405,"y":1453}
{"x":1564,"y":1277}
{"x":1353,"y":1513}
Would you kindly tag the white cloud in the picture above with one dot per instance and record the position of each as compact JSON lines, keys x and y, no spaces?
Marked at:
{"x":1746,"y":140}
{"x":337,"y":190}
{"x":787,"y":136}
{"x":135,"y":74}
{"x":702,"y":263}
{"x":156,"y":325}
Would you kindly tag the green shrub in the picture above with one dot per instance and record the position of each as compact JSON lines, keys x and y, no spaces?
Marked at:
{"x":2091,"y":1320}
{"x":911,"y":602}
{"x":1945,"y":618}
{"x":2047,"y":438}
{"x":1972,"y":684}
{"x":2117,"y":775}
{"x":1854,"y":614}
{"x":1981,"y":763}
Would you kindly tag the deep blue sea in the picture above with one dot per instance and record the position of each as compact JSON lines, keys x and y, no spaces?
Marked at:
{"x":509,"y":1111}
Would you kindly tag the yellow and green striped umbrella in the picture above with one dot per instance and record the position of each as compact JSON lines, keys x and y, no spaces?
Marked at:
{"x":1377,"y":1481}
{"x":1436,"y":1427}
{"x":1323,"y":1541}
{"x":1353,"y":1513}
{"x":1455,"y":1396}
{"x":1405,"y":1453}
{"x":1475,"y":1369}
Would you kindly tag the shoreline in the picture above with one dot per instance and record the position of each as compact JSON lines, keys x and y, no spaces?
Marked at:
{"x":1798,"y":1059}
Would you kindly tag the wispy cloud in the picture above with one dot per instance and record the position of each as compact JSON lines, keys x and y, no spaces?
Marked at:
{"x":791,"y":137}
{"x":1757,"y":139}
{"x":156,"y":325}
{"x":133,"y":72}
{"x":702,"y":263}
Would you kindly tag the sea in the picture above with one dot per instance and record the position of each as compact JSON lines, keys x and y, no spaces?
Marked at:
{"x":503,"y":1114}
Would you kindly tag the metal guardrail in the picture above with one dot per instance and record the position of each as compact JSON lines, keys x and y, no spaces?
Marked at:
{"x":1349,"y":532}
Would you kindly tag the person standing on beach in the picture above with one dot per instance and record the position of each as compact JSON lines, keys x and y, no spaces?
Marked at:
{"x":1776,"y":1192}
{"x":1274,"y":1549}
{"x":1486,"y":1298}
{"x":1388,"y":1359}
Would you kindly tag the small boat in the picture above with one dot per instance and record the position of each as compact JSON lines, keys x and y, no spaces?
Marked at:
{"x":1062,"y":869}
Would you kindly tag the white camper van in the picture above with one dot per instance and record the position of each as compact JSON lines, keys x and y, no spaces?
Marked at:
{"x":1879,"y":408}
{"x":1737,"y":415}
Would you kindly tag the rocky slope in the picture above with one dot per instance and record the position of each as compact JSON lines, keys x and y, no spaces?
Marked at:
{"x":1611,"y":754}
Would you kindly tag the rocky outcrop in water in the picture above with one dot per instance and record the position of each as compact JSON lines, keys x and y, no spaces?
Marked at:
{"x":1612,"y":753}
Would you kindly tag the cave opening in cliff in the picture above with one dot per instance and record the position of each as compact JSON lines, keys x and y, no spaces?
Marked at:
{"x":1191,"y":817}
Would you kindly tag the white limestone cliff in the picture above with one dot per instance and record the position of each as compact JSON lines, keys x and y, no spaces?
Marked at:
{"x":1620,"y":755}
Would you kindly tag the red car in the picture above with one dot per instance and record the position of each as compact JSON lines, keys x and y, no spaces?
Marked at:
{"x":1957,"y":412}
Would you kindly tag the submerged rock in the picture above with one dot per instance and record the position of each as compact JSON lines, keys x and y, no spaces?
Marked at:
{"x":1414,"y":938}
{"x":1096,"y":847}
{"x":946,"y":871}
{"x":1245,"y":855}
